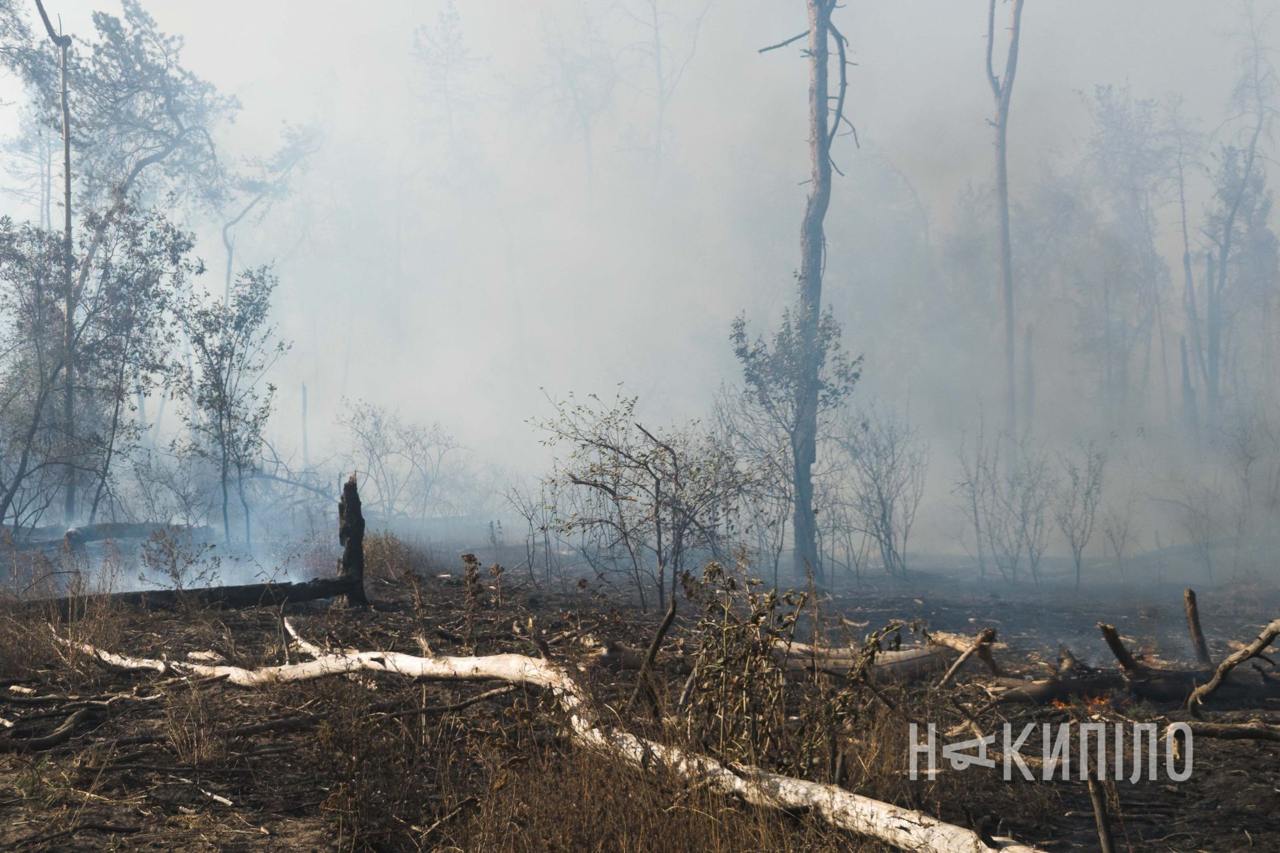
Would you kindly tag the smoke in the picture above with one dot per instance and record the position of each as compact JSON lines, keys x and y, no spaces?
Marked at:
{"x":466,"y":237}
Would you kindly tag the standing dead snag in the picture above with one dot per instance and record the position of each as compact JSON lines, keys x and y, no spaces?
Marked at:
{"x":1002,"y":91}
{"x":1193,"y":628}
{"x":806,"y":375}
{"x":63,"y":43}
{"x":351,"y":538}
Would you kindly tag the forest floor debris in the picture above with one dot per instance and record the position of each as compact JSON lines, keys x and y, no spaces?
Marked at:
{"x":159,"y":760}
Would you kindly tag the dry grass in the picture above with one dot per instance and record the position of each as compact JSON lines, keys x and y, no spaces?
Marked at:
{"x":380,"y":763}
{"x":192,"y":728}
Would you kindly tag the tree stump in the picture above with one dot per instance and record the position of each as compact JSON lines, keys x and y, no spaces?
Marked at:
{"x":351,"y":537}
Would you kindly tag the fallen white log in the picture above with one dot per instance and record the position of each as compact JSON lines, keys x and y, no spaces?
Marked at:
{"x":903,"y":828}
{"x":890,"y":665}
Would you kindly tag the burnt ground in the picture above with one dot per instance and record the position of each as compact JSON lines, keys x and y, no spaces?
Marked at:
{"x":373,"y":762}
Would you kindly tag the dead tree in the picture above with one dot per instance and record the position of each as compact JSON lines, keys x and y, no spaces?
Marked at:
{"x":1002,"y":91}
{"x":1193,"y":628}
{"x":63,"y":43}
{"x":351,"y":537}
{"x":903,"y":828}
{"x":1078,"y":497}
{"x":1254,"y":649}
{"x":823,"y":127}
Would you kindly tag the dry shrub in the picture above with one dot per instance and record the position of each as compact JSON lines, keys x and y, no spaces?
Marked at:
{"x":93,"y":617}
{"x":388,"y":558}
{"x":23,"y":642}
{"x":26,"y":643}
{"x":192,"y":727}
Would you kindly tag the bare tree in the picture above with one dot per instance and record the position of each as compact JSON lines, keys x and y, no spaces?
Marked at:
{"x":1002,"y":91}
{"x":811,"y":326}
{"x":761,"y":445}
{"x":537,"y":510}
{"x":1117,"y":522}
{"x":659,"y":495}
{"x":1079,"y":493}
{"x":974,"y":490}
{"x":1014,"y":487}
{"x":1241,"y":205}
{"x":261,"y":183}
{"x":669,"y":57}
{"x":888,"y":463}
{"x":583,"y":77}
{"x":404,"y":463}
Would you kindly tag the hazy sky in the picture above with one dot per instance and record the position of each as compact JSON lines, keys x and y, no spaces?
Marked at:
{"x":453,"y":280}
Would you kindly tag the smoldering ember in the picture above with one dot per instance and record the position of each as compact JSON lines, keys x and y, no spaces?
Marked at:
{"x":643,"y":425}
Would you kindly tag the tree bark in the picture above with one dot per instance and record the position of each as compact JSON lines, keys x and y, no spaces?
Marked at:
{"x":1193,"y":628}
{"x":804,"y":438}
{"x":1204,"y":691}
{"x":351,"y":537}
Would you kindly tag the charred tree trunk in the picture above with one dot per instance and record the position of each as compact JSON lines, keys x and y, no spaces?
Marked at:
{"x":351,"y":537}
{"x":804,"y":439}
{"x":70,"y":608}
{"x":1193,"y":628}
{"x":1002,"y":91}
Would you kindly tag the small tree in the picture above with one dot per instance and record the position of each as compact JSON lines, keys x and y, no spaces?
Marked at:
{"x":653,"y":494}
{"x":1117,"y":523}
{"x":1012,"y":489}
{"x":888,"y":463}
{"x":775,"y":376}
{"x":233,"y":344}
{"x":403,"y":462}
{"x":126,"y":337}
{"x":1078,"y":496}
{"x":31,"y":362}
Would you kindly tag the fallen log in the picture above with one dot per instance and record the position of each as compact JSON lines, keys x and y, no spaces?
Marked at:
{"x":1204,"y":691}
{"x":349,"y":583}
{"x":984,"y":639}
{"x":892,"y":665}
{"x":1042,"y":691}
{"x":904,"y":828}
{"x":78,"y":537}
{"x":1235,"y":731}
{"x":1160,"y":684}
{"x":71,"y":607}
{"x":961,"y":643}
{"x":61,"y":734}
{"x":55,"y":538}
{"x":895,"y":664}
